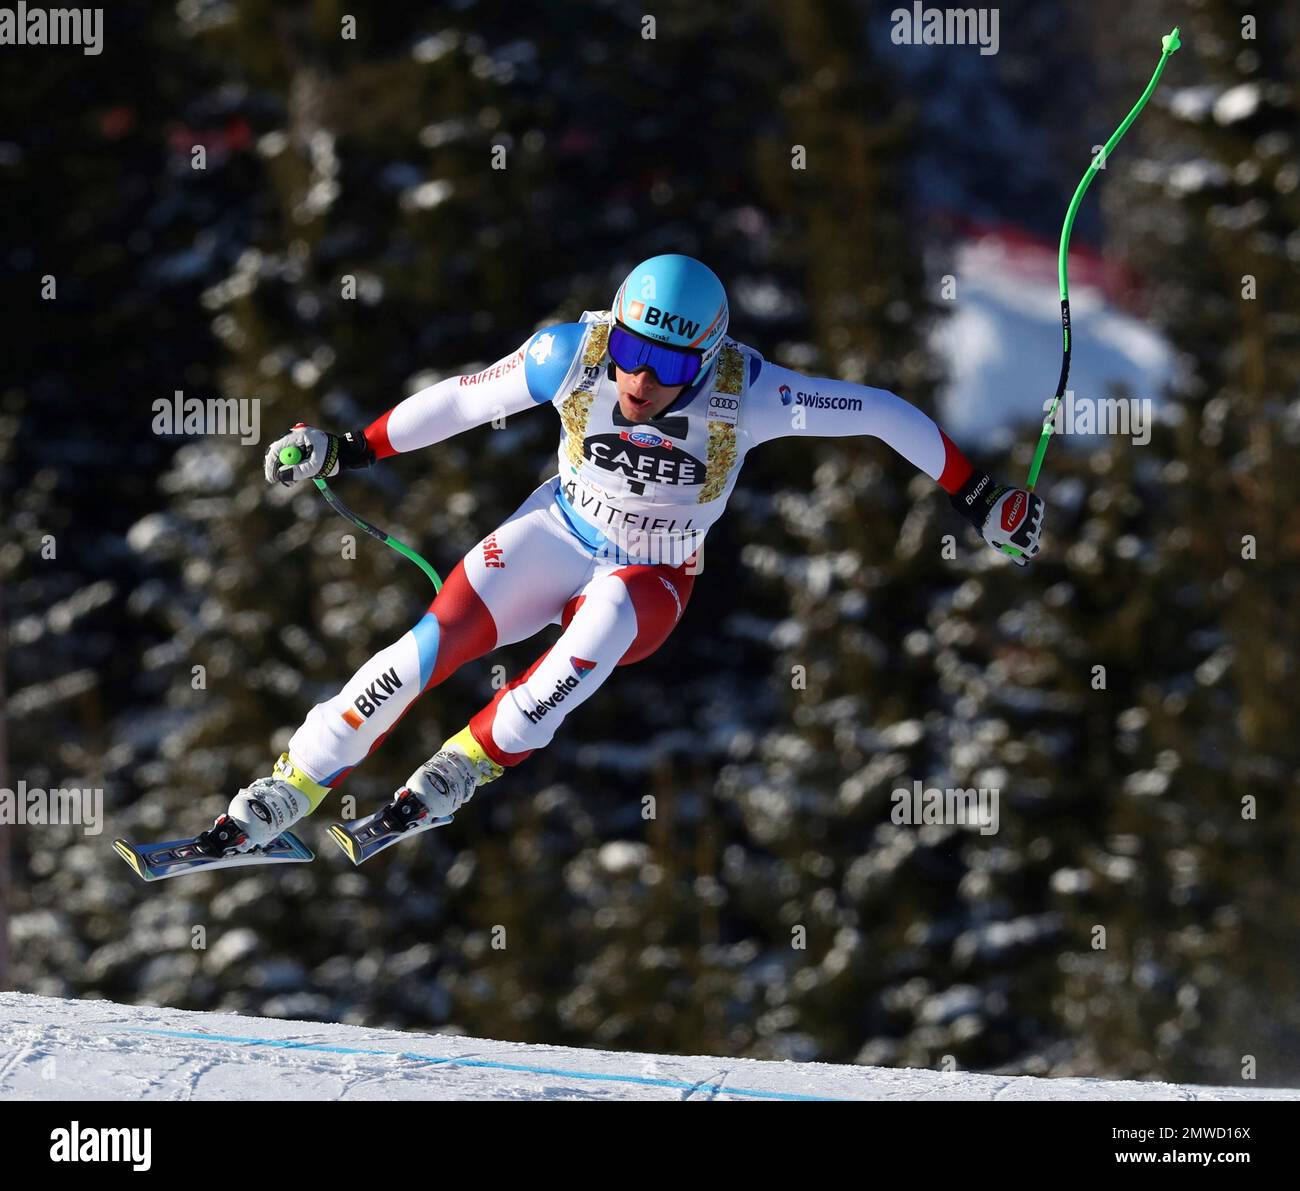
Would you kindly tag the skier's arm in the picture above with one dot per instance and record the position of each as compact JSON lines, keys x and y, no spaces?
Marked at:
{"x":783,"y":403}
{"x":526,"y":377}
{"x":457,"y":404}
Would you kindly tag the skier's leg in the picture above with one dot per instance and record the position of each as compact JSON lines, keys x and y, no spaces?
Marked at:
{"x":514,"y":582}
{"x":342,"y":731}
{"x":620,"y":617}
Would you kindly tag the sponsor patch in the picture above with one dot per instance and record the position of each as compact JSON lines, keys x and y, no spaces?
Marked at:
{"x":656,"y":320}
{"x":816,"y":400}
{"x":375,"y":693}
{"x":723,"y":408}
{"x":542,"y":348}
{"x":1013,"y":512}
{"x":645,"y":438}
{"x":496,"y":371}
{"x":629,"y":454}
{"x":562,"y":689}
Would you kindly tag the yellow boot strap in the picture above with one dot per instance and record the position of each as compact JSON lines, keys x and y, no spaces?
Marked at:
{"x":464,"y":740}
{"x":286,"y":771}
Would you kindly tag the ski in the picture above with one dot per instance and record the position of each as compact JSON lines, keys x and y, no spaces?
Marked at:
{"x":404,"y":816}
{"x":179,"y":857}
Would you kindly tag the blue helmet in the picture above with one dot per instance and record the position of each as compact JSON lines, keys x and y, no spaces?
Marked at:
{"x":670,"y":315}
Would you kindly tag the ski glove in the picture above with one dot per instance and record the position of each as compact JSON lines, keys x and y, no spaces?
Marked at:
{"x":1004,"y":516}
{"x":323,"y":454}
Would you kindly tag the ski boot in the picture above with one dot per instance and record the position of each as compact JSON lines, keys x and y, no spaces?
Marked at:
{"x":264,"y":810}
{"x":253,"y":831}
{"x":443,"y":784}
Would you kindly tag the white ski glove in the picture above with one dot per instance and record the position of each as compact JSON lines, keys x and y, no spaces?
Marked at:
{"x":1009,"y":519}
{"x":323,"y":454}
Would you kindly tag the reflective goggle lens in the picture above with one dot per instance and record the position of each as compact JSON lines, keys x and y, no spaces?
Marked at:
{"x":670,"y":365}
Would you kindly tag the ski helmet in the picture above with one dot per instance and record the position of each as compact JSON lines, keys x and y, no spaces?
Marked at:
{"x":670,"y":315}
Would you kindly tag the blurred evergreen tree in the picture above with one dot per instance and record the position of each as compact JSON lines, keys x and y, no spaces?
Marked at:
{"x":831,"y":653}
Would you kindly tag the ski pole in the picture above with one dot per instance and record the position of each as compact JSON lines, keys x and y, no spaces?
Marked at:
{"x":292,"y":455}
{"x":1168,"y":44}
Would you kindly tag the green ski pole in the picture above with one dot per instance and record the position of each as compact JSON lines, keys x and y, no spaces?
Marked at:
{"x":291,"y":455}
{"x":1168,"y":44}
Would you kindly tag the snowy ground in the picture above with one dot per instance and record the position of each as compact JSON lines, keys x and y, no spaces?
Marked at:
{"x":53,"y":1049}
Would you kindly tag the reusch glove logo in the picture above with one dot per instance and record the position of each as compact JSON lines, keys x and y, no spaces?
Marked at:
{"x":1013,"y":512}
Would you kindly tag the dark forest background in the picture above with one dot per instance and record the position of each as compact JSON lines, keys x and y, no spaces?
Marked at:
{"x":1122,"y":807}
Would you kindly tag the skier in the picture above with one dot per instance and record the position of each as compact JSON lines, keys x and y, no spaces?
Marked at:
{"x":658,"y":408}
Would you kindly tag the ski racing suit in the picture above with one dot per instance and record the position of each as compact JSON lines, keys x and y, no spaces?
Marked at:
{"x":607,"y":547}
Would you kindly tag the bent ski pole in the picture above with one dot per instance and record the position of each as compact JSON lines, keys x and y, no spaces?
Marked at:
{"x":291,"y":455}
{"x":1168,"y":44}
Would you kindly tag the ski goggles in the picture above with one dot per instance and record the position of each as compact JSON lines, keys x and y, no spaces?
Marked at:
{"x":670,"y":365}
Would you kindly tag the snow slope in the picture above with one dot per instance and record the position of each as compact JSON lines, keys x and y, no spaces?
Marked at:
{"x":52,"y":1049}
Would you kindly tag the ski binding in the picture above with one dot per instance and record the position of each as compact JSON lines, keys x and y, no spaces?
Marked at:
{"x":179,"y":857}
{"x":406,"y":815}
